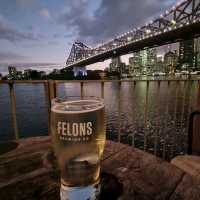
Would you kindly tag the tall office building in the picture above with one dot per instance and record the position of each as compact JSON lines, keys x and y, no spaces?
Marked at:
{"x":117,"y":65}
{"x":149,"y":58}
{"x":113,"y":67}
{"x":144,"y":57}
{"x":135,"y":64}
{"x":12,"y":72}
{"x":170,"y":61}
{"x":159,"y":66}
{"x":197,"y":53}
{"x":186,"y":54}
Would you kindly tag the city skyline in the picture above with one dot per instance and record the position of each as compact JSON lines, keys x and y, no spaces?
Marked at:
{"x":174,"y":61}
{"x":34,"y":31}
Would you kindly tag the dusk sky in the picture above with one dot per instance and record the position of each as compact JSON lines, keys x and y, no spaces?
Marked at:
{"x":44,"y":30}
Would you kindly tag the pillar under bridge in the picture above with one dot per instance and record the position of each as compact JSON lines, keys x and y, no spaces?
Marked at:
{"x":80,"y":71}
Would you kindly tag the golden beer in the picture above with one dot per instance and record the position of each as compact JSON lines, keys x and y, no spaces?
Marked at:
{"x":78,"y":132}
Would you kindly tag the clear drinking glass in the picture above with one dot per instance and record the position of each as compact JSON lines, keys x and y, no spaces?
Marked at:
{"x":78,"y":133}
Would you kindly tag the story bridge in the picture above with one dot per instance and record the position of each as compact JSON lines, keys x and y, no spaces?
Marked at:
{"x":180,"y":22}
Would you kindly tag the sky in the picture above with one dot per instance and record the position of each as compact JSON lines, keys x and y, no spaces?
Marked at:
{"x":43,"y":31}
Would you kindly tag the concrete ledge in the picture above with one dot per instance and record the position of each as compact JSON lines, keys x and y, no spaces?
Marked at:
{"x":188,"y":163}
{"x":144,"y":176}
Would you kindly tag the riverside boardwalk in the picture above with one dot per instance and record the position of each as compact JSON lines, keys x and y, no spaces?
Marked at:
{"x":26,"y":173}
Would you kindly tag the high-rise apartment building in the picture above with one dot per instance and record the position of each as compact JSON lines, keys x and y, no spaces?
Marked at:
{"x":186,"y":54}
{"x":197,"y":53}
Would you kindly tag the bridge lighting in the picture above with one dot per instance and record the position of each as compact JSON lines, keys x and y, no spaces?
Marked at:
{"x":148,"y":31}
{"x":173,"y":22}
{"x":129,"y":39}
{"x":174,"y":8}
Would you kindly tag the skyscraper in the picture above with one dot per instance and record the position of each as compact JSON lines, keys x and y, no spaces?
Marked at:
{"x":144,"y":57}
{"x":197,"y":53}
{"x":135,"y":64}
{"x":12,"y":72}
{"x":117,"y":65}
{"x":170,"y":61}
{"x":186,"y":54}
{"x":149,"y":57}
{"x":113,"y":67}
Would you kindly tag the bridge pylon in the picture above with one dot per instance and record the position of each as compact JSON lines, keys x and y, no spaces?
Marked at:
{"x":78,"y":52}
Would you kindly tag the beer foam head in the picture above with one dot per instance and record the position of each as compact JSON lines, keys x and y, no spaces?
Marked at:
{"x":77,"y":106}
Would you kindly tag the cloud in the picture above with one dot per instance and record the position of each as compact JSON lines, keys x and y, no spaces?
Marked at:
{"x":45,"y":13}
{"x":25,"y":3}
{"x":52,"y":42}
{"x":10,"y":56}
{"x":10,"y":34}
{"x":111,"y":18}
{"x":56,"y":35}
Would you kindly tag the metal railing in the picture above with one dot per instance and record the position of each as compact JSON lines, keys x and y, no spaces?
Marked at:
{"x":51,"y":91}
{"x":190,"y":131}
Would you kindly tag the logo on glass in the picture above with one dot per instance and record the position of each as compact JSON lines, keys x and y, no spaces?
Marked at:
{"x":76,"y":132}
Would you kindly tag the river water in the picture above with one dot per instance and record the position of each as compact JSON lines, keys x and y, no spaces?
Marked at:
{"x":151,"y":117}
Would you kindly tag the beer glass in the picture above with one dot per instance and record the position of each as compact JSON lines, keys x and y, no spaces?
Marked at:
{"x":78,"y":133}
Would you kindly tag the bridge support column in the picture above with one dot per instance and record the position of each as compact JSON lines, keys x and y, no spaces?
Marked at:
{"x":80,"y":71}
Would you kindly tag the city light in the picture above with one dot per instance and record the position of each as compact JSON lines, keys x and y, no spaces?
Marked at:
{"x":148,"y":31}
{"x":173,"y":22}
{"x":129,"y":39}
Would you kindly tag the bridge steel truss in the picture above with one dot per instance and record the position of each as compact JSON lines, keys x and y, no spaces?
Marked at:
{"x":184,"y":17}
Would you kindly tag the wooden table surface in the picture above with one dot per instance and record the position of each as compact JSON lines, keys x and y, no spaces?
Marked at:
{"x":144,"y":176}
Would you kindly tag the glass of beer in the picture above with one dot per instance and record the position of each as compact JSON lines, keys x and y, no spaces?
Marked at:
{"x":78,"y":133}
